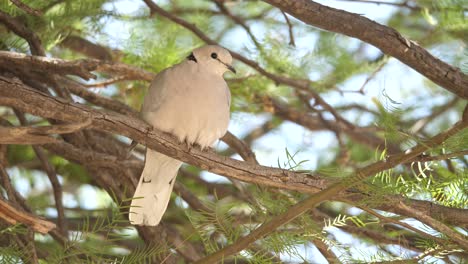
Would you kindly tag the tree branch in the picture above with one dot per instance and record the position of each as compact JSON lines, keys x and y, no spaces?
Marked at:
{"x":458,"y":238}
{"x":387,"y":39}
{"x":27,"y":135}
{"x":50,"y":171}
{"x":290,"y":30}
{"x":27,"y":100}
{"x":87,"y":48}
{"x":332,"y":191}
{"x":27,"y":8}
{"x":13,"y":216}
{"x":240,"y":146}
{"x":15,"y":94}
{"x":303,"y":85}
{"x":81,"y":68}
{"x":21,"y":30}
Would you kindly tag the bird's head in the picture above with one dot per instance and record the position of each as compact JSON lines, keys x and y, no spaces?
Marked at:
{"x":212,"y":57}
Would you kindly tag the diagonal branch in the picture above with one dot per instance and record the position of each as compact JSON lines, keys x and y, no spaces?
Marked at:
{"x":222,"y":7}
{"x":387,"y":39}
{"x":27,"y":8}
{"x":240,"y":146}
{"x":21,"y":30}
{"x":453,"y":235}
{"x":13,"y":216}
{"x":86,"y":47}
{"x":332,"y":191}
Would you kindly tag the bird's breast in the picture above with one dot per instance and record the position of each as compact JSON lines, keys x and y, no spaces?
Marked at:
{"x":197,"y":111}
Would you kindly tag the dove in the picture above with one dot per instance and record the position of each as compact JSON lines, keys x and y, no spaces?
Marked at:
{"x":190,"y":100}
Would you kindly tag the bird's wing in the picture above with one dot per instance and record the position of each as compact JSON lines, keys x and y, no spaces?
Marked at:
{"x":157,"y":92}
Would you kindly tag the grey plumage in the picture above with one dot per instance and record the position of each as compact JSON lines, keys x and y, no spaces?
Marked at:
{"x":190,"y":100}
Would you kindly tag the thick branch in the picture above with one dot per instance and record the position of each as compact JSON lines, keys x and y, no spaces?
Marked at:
{"x":387,"y":39}
{"x":80,"y":68}
{"x":25,"y":99}
{"x":87,"y":48}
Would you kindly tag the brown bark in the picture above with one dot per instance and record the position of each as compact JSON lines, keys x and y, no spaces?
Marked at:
{"x":13,"y":216}
{"x":31,"y":101}
{"x":385,"y":38}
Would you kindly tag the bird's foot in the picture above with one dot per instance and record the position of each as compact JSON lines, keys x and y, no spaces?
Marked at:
{"x":188,"y":144}
{"x":208,"y":148}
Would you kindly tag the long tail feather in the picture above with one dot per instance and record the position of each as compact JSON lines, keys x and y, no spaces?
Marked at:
{"x":154,"y":189}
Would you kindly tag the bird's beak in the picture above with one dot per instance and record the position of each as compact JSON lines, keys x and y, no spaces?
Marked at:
{"x":228,"y":66}
{"x":231,"y":68}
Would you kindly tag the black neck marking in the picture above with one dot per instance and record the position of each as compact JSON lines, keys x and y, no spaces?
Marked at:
{"x":192,"y":57}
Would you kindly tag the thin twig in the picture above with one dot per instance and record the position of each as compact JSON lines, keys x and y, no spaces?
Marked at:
{"x":238,"y":20}
{"x":313,"y":123}
{"x":13,"y":195}
{"x":426,"y":158}
{"x":13,"y":216}
{"x":254,"y":135}
{"x":27,"y":135}
{"x":106,"y":82}
{"x":88,"y":48}
{"x":49,"y":169}
{"x":452,"y":235}
{"x":290,"y":29}
{"x":21,"y":30}
{"x":400,"y":223}
{"x":27,"y":8}
{"x":189,"y":197}
{"x":240,"y":146}
{"x":372,"y":76}
{"x":420,"y":124}
{"x":78,"y":89}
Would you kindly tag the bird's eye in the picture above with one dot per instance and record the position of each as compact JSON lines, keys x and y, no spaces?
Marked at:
{"x":214,"y":55}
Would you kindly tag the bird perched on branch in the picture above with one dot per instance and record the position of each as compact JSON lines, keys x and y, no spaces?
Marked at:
{"x":190,"y":100}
